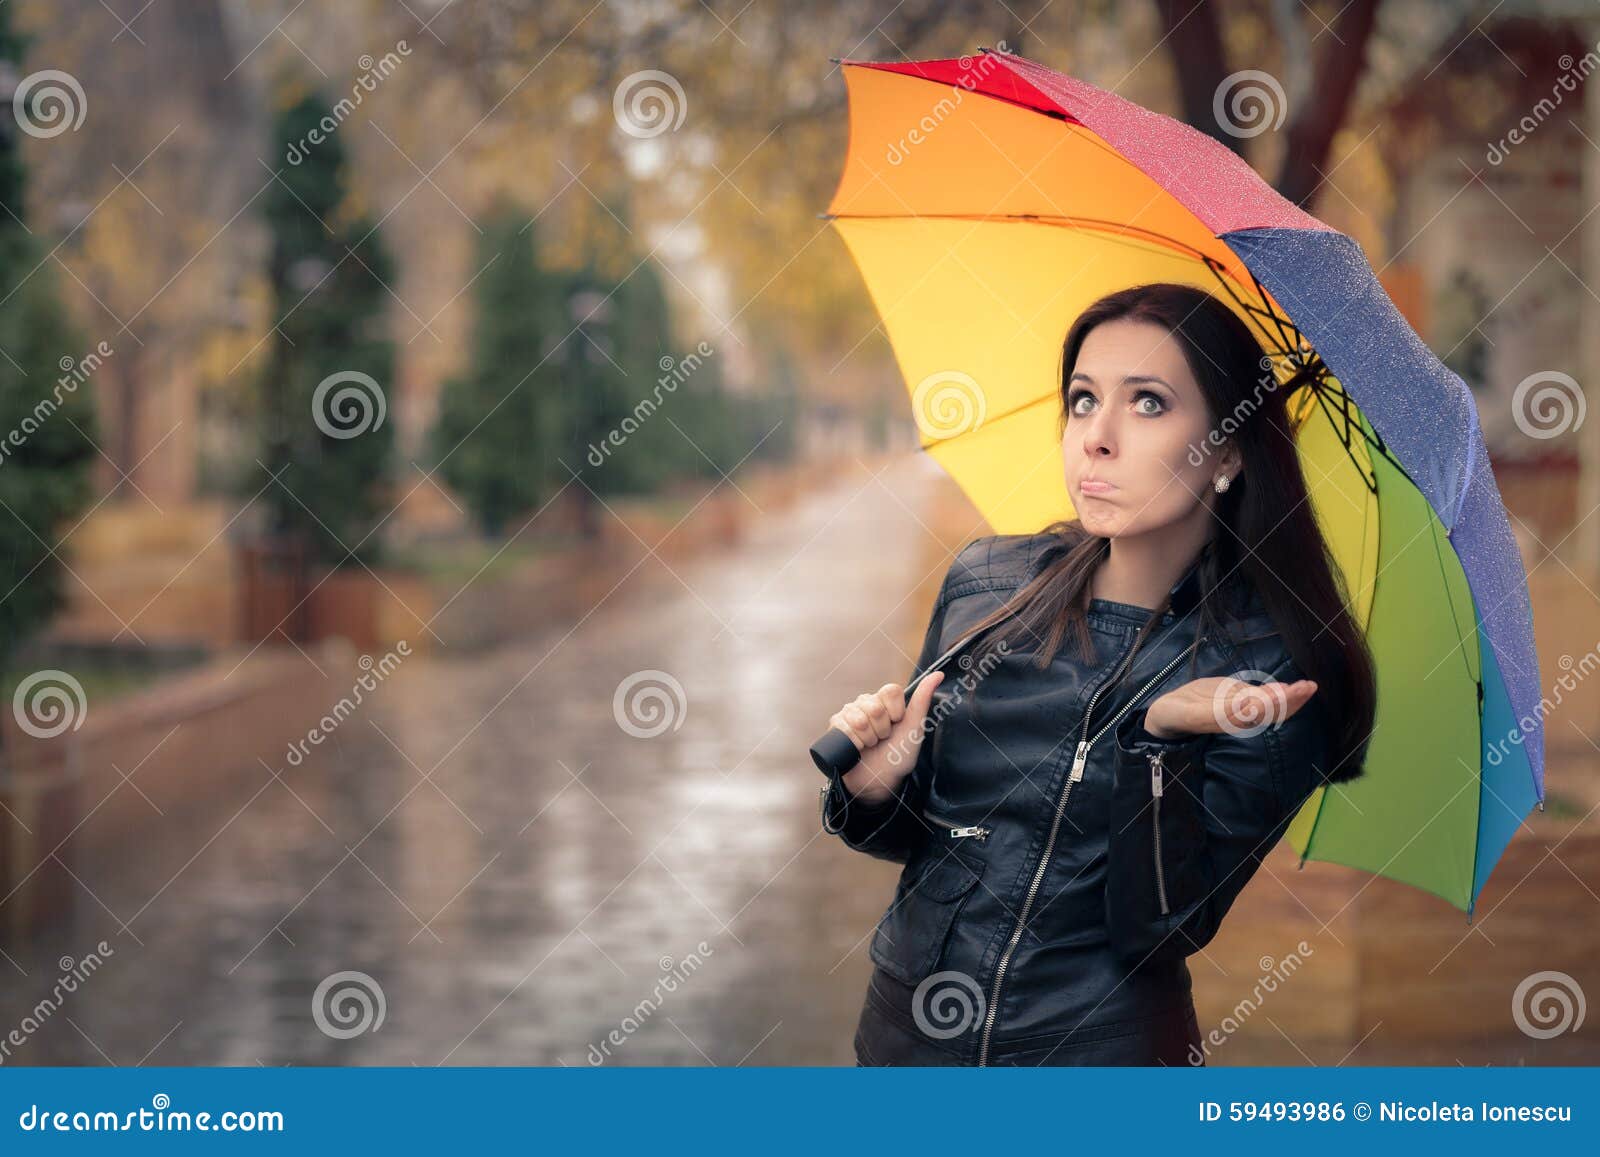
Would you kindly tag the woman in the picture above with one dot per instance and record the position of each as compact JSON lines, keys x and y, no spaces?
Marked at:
{"x":1083,"y":816}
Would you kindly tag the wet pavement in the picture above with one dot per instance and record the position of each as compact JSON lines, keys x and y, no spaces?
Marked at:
{"x":524,"y":867}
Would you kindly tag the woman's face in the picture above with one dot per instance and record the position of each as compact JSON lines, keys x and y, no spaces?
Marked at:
{"x":1136,"y":421}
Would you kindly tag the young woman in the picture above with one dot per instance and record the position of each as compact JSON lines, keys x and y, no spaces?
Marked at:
{"x":1082,"y":816}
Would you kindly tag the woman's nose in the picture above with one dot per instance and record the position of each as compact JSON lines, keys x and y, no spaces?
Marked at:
{"x":1098,"y":436}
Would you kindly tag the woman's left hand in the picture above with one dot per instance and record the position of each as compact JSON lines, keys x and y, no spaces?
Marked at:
{"x":1223,"y":704}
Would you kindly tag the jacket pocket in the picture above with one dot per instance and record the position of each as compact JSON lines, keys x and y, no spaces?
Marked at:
{"x":1157,"y":788}
{"x":910,"y":937}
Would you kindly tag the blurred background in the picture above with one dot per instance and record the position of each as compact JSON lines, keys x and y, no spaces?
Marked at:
{"x":452,"y":474}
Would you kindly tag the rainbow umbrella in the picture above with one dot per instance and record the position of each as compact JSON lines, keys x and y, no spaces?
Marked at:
{"x":987,"y":200}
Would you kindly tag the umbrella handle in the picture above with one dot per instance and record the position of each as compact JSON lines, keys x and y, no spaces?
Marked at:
{"x":835,"y":753}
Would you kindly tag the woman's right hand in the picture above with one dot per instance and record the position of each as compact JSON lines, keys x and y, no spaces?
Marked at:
{"x":888,"y":731}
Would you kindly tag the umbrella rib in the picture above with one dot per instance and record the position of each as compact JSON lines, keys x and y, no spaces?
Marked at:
{"x":1279,"y":319}
{"x":987,"y":421}
{"x":1455,"y":617}
{"x":1316,"y":371}
{"x":1058,"y":219}
{"x":1295,"y":349}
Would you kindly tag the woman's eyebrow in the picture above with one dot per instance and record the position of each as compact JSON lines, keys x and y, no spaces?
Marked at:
{"x":1135,"y":379}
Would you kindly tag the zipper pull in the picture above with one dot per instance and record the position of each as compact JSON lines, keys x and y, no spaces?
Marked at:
{"x":1155,"y":774}
{"x":1079,"y":759}
{"x":980,"y":832}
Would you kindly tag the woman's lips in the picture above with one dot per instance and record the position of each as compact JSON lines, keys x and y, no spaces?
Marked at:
{"x":1095,"y":486}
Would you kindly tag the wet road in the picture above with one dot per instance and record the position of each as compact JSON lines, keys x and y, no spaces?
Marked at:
{"x":526,"y":866}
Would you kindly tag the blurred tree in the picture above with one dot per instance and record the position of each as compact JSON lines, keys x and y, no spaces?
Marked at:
{"x":499,"y":424}
{"x":47,"y":414}
{"x":776,"y":415}
{"x":1316,"y":103}
{"x":1464,"y":305}
{"x":706,"y":420}
{"x":659,"y":394}
{"x":876,"y":422}
{"x":602,"y":444}
{"x":325,"y":432}
{"x":145,"y":195}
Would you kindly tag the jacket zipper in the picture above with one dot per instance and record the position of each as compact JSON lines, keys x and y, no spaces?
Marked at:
{"x":1156,"y":769}
{"x":1079,"y":760}
{"x":957,"y":831}
{"x":822,"y":805}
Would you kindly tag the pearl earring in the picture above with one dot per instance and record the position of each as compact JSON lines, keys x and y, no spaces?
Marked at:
{"x":1221,"y":483}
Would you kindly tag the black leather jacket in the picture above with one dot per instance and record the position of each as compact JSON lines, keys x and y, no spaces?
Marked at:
{"x":1058,"y":912}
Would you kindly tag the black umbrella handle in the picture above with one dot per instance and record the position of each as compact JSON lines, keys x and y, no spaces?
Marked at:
{"x":836,"y":753}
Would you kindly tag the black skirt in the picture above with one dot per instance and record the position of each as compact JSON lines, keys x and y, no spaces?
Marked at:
{"x":888,"y":1034}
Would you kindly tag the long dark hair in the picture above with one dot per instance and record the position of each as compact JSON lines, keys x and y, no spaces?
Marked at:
{"x":1267,"y":535}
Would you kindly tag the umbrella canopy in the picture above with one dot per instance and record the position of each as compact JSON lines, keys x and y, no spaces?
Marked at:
{"x":988,"y":200}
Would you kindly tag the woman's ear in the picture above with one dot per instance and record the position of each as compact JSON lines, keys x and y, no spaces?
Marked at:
{"x":1232,"y":461}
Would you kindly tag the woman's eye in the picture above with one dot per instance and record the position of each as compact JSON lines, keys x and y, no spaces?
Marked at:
{"x":1077,"y":397}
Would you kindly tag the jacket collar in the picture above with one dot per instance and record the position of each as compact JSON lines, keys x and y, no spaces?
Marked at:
{"x":1185,"y":593}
